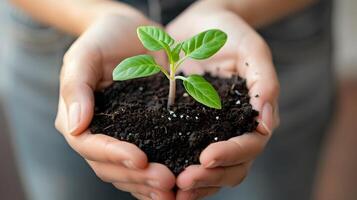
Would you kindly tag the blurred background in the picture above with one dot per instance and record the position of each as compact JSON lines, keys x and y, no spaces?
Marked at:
{"x":336,"y":179}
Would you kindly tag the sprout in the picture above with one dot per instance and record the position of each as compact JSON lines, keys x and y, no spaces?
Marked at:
{"x":199,"y":47}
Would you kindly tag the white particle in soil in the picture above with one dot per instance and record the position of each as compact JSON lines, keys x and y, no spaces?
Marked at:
{"x":169,"y":118}
{"x":171,"y":112}
{"x":216,"y":138}
{"x":185,"y":94}
{"x":196,"y":117}
{"x":217,"y":117}
{"x":141,"y":88}
{"x":174,"y":115}
{"x":188,"y":133}
{"x":238,"y":102}
{"x":181,"y":116}
{"x":237,"y":92}
{"x":186,"y":161}
{"x":179,"y":133}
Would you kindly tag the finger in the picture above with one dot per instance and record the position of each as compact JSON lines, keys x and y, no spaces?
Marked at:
{"x":155,"y":175}
{"x":102,"y":148}
{"x":145,"y":192}
{"x":196,"y":193}
{"x":80,"y":74}
{"x":196,"y":176}
{"x":61,"y":118}
{"x":256,"y":65}
{"x":234,"y":151}
{"x":99,"y":147}
{"x":140,"y":197}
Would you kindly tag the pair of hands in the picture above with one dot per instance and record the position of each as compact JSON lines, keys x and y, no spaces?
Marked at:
{"x":88,"y":66}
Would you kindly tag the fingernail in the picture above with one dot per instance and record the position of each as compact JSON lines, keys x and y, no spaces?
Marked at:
{"x":153,"y":183}
{"x":74,"y":115}
{"x":267,"y":118}
{"x":153,"y":196}
{"x":129,"y":164}
{"x":212,"y":164}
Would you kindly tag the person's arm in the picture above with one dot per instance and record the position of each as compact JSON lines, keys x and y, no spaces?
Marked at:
{"x":258,"y":13}
{"x":74,"y":16}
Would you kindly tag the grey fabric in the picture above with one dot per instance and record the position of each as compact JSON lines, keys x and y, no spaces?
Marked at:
{"x":301,"y":46}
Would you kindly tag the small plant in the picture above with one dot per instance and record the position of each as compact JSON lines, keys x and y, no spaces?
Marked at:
{"x":199,"y":47}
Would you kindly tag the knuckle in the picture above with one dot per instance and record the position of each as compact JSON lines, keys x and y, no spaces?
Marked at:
{"x":101,"y":174}
{"x":235,"y":182}
{"x":108,"y":151}
{"x":103,"y":178}
{"x":119,"y":186}
{"x":241,"y":179}
{"x":128,"y":178}
{"x":236,"y":175}
{"x":222,"y":178}
{"x":242,"y":175}
{"x":237,"y":146}
{"x":66,"y":88}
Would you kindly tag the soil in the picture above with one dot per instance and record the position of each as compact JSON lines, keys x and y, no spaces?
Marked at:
{"x":135,"y":111}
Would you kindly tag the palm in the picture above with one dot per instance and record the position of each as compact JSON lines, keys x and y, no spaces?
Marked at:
{"x":234,"y":55}
{"x":105,"y":44}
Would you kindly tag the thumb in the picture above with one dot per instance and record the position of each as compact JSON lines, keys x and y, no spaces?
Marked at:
{"x":78,"y":80}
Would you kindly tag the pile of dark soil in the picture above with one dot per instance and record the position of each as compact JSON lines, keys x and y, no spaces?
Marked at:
{"x":135,"y":111}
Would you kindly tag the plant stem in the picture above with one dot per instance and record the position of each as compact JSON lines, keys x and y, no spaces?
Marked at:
{"x":172,"y":89}
{"x":181,"y":78}
{"x":172,"y":93}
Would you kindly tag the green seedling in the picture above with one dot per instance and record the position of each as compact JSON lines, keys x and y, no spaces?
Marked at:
{"x":199,"y":47}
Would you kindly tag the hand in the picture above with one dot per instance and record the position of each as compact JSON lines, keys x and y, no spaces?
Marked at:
{"x":227,"y":163}
{"x":88,"y":66}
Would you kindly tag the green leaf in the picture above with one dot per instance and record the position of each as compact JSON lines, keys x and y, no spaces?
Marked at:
{"x":154,"y":38}
{"x":176,"y":52}
{"x":205,"y":44}
{"x":202,"y":91}
{"x":135,"y":67}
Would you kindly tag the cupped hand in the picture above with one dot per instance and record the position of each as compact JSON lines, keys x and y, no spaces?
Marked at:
{"x":88,"y":66}
{"x":227,"y":163}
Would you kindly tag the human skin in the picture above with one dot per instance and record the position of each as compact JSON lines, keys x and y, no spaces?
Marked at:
{"x":227,"y":163}
{"x":105,"y":30}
